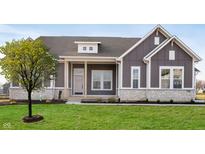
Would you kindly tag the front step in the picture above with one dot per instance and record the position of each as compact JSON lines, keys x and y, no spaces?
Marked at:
{"x":73,"y":102}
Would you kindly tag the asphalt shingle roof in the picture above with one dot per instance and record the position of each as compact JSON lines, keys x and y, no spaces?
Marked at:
{"x":109,"y":47}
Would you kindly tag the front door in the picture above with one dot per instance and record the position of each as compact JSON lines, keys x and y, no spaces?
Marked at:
{"x":78,"y":81}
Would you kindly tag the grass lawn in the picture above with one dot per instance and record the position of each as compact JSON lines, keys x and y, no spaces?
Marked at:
{"x":104,"y":117}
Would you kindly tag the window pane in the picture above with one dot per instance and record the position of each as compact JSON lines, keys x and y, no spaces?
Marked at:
{"x":107,"y":84}
{"x":177,"y":73}
{"x":84,"y":48}
{"x":96,"y":84}
{"x":135,"y":83}
{"x":165,"y":83}
{"x":177,"y":83}
{"x":90,"y":48}
{"x":165,"y":74}
{"x":135,"y":73}
{"x":96,"y":76}
{"x":107,"y":76}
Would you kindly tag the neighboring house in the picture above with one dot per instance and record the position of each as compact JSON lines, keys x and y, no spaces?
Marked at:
{"x":158,"y":66}
{"x":6,"y":88}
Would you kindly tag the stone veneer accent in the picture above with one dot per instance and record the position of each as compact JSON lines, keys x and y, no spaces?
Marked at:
{"x":177,"y":95}
{"x":44,"y":94}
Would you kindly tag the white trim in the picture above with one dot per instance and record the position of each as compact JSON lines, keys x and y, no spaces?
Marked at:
{"x":171,"y":54}
{"x":193,"y":74}
{"x":121,"y":84}
{"x":139,"y":75}
{"x":178,"y":42}
{"x":86,"y":42}
{"x":71,"y":76}
{"x":156,"y":40}
{"x":85,"y":77}
{"x":52,"y":81}
{"x":159,"y":27}
{"x":101,"y":81}
{"x":171,"y":68}
{"x":66,"y":74}
{"x":87,"y":57}
{"x":116,"y":79}
{"x":148,"y":72}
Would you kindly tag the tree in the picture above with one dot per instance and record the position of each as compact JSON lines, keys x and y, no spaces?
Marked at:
{"x":27,"y":62}
{"x":200,"y":85}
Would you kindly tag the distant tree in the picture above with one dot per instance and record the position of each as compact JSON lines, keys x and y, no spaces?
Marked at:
{"x":27,"y":62}
{"x":200,"y":84}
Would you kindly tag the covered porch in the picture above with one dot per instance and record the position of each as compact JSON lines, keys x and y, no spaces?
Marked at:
{"x":90,"y":77}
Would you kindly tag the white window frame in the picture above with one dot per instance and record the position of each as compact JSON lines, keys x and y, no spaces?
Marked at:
{"x":156,"y":40}
{"x":101,"y":80}
{"x":171,"y":54}
{"x":171,"y":68}
{"x":139,"y":75}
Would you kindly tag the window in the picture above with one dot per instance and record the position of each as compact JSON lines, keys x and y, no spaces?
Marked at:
{"x":172,"y":77}
{"x":91,"y":48}
{"x":177,"y":80}
{"x":96,"y":80}
{"x":84,"y":48}
{"x":165,"y":78}
{"x":171,"y":55}
{"x":156,"y":40}
{"x":135,"y":77}
{"x":101,"y":80}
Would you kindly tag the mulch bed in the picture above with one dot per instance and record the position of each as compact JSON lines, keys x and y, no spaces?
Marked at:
{"x":137,"y":102}
{"x":23,"y":102}
{"x":34,"y":118}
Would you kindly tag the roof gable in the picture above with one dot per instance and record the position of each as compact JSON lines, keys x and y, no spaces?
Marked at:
{"x":179,"y":43}
{"x":158,"y":27}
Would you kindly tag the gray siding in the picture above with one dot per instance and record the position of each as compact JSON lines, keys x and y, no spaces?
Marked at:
{"x":101,"y":67}
{"x":135,"y":58}
{"x":59,"y":82}
{"x":162,"y":59}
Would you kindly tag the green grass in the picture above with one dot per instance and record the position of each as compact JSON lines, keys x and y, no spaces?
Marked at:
{"x":104,"y":117}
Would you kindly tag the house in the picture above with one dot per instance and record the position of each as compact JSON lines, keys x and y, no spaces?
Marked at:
{"x":158,"y":66}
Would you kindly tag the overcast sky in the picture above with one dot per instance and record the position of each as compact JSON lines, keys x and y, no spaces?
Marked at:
{"x":192,"y":35}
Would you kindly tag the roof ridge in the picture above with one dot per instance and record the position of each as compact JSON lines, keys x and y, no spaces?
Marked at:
{"x":62,"y":36}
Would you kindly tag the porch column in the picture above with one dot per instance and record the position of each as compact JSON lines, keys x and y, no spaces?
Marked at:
{"x":66,"y":79}
{"x":85,"y":87}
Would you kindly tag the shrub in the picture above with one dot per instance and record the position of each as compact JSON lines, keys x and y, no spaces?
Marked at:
{"x":48,"y":100}
{"x":171,"y":101}
{"x":99,"y":100}
{"x":111,"y":100}
{"x":12,"y":101}
{"x":147,"y":100}
{"x":158,"y":101}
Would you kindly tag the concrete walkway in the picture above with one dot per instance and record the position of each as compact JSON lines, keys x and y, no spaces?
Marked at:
{"x":132,"y":104}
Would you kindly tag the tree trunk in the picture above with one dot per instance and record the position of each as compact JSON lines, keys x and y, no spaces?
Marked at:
{"x":29,"y":104}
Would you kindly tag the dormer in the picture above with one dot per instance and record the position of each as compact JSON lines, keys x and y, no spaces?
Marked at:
{"x":87,"y":47}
